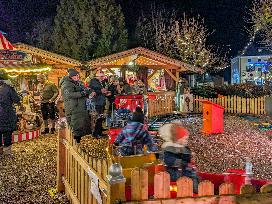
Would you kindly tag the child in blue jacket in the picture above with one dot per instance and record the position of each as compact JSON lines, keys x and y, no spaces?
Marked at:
{"x":134,"y":136}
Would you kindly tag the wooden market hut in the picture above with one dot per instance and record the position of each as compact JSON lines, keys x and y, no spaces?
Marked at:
{"x":144,"y":58}
{"x":59,"y":63}
{"x":148,"y":63}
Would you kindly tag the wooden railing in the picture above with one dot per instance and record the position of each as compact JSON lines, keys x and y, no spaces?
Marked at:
{"x":183,"y":189}
{"x":76,"y":172}
{"x":235,"y":104}
{"x":82,"y":177}
{"x":161,"y":103}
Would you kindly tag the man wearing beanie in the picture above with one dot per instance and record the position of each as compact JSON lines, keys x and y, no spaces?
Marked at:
{"x":99,"y":93}
{"x":176,"y":154}
{"x":49,"y":93}
{"x":74,"y":97}
{"x":134,"y":136}
{"x":8,"y":96}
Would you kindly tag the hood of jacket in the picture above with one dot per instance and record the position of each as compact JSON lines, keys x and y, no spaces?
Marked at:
{"x":65,"y":79}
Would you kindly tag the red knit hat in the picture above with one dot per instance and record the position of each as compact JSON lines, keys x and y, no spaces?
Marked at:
{"x":181,"y":133}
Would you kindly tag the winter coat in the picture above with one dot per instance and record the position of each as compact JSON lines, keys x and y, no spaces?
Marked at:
{"x":126,"y":89}
{"x":8,"y":96}
{"x":74,"y":98}
{"x":177,"y":159}
{"x":133,"y":137}
{"x":114,"y":92}
{"x":96,"y":86}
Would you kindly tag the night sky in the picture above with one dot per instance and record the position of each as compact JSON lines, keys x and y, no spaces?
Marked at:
{"x":225,"y":18}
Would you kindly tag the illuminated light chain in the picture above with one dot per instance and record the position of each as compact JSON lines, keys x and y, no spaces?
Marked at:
{"x":27,"y":70}
{"x":13,"y":76}
{"x":250,"y":41}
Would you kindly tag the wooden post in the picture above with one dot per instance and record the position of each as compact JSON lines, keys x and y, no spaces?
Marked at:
{"x":139,"y":184}
{"x":205,"y":188}
{"x":61,"y":158}
{"x":184,"y":187}
{"x":177,"y":76}
{"x":117,"y":193}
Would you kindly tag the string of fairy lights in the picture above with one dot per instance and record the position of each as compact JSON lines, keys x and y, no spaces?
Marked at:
{"x":251,"y":40}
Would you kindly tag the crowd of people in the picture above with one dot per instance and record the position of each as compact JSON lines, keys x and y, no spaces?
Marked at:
{"x":75,"y":95}
{"x":101,"y":92}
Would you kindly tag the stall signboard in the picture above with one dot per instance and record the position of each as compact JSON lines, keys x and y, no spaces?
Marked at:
{"x":12,"y":55}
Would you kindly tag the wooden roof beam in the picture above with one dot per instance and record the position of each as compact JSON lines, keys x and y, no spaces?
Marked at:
{"x":171,"y":75}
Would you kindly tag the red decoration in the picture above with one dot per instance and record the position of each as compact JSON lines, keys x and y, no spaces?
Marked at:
{"x":129,"y":102}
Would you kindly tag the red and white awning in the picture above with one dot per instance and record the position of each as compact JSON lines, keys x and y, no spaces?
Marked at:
{"x":4,"y":43}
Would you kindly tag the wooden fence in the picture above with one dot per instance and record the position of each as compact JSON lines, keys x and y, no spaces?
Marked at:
{"x":161,"y":103}
{"x":183,"y":189}
{"x":76,"y":172}
{"x":84,"y":180}
{"x":235,"y":104}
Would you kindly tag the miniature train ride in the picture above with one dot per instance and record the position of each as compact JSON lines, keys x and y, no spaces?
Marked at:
{"x":150,"y":160}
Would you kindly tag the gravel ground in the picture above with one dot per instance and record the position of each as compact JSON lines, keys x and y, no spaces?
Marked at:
{"x":29,"y":174}
{"x":217,"y":153}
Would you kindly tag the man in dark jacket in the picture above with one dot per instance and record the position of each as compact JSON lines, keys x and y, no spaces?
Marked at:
{"x":8,"y":96}
{"x":100,"y":101}
{"x":74,"y":97}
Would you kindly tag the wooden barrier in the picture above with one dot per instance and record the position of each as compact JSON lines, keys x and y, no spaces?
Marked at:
{"x":77,"y":172}
{"x":162,"y":103}
{"x":84,"y":180}
{"x":235,"y":104}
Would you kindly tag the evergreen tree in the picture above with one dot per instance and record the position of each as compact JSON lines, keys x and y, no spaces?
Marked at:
{"x":85,"y":29}
{"x":41,"y":34}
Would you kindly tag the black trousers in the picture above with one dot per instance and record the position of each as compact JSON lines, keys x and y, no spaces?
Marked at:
{"x":99,"y":121}
{"x":6,"y":137}
{"x":48,"y":111}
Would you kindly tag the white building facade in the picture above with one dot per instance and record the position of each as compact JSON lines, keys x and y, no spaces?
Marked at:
{"x":251,"y":69}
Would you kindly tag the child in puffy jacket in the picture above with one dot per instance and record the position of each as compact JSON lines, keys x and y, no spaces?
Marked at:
{"x":134,"y":136}
{"x":176,"y":154}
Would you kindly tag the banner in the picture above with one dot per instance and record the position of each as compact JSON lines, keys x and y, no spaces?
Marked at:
{"x":11,"y":55}
{"x":94,"y":186}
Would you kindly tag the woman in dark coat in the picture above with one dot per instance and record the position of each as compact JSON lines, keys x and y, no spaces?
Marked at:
{"x":8,"y":118}
{"x":74,"y":97}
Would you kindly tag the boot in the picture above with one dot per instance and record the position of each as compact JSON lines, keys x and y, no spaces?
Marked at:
{"x":46,"y":131}
{"x":53,"y":131}
{"x":7,"y":150}
{"x":77,"y":139}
